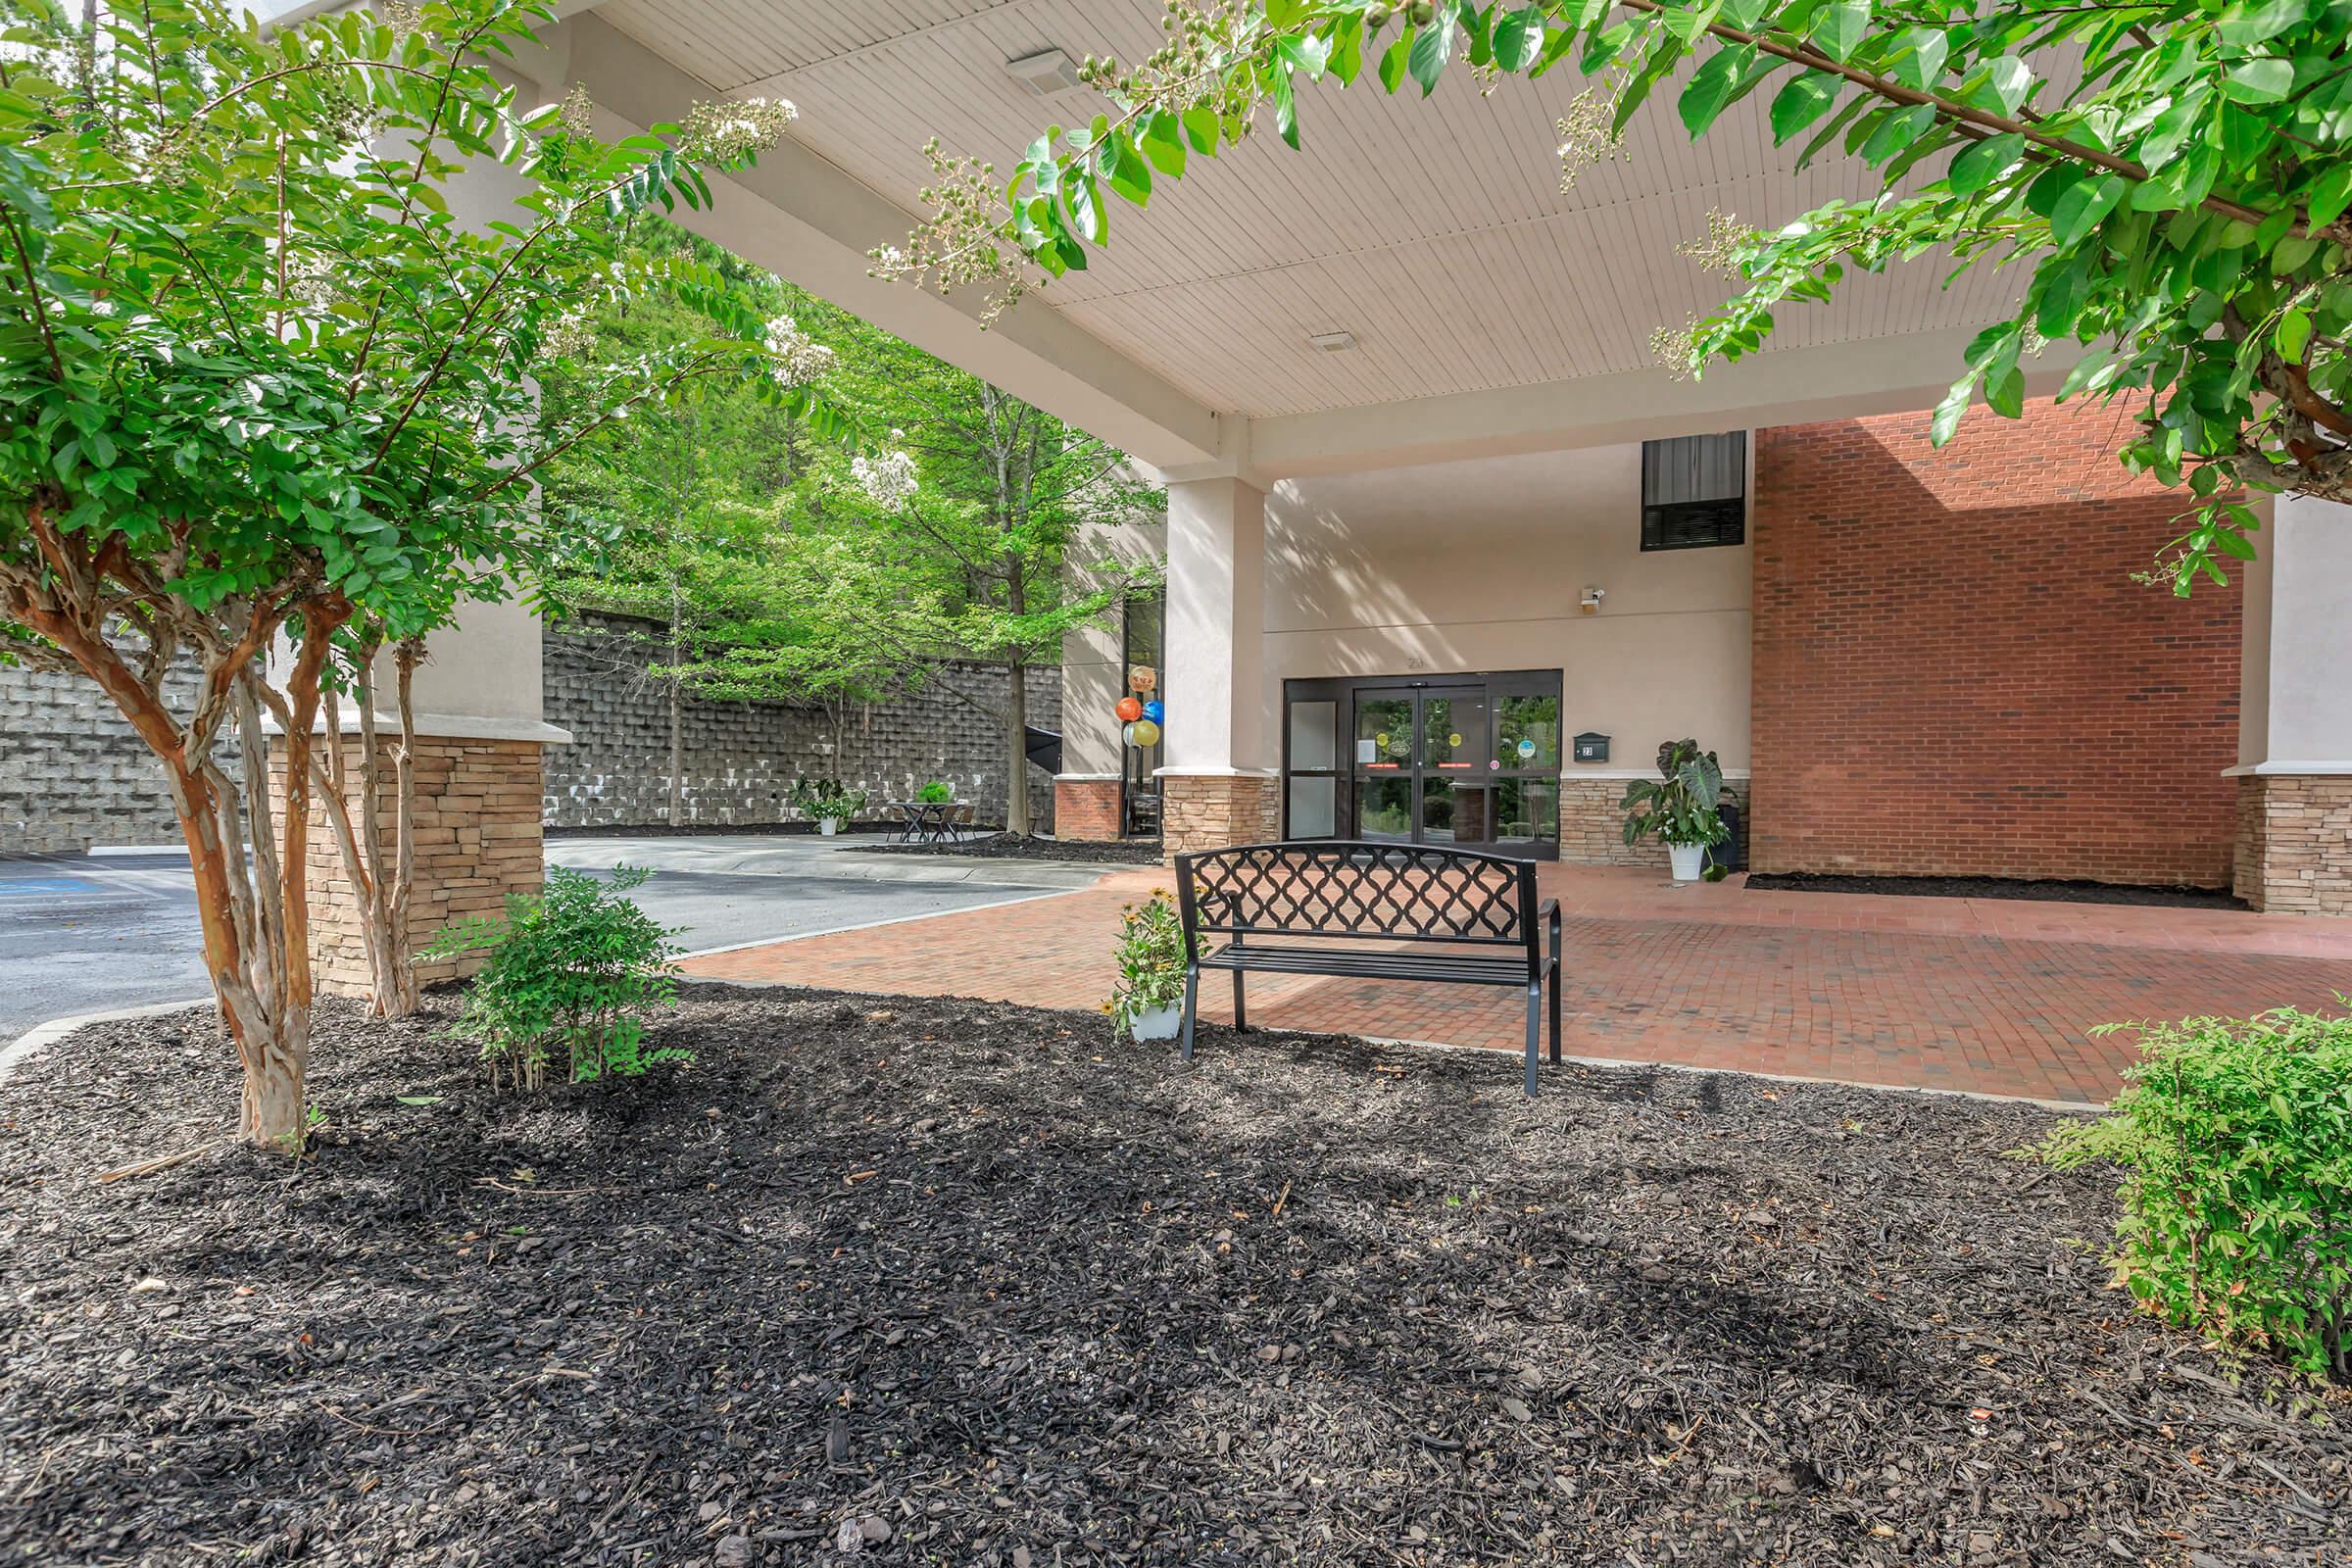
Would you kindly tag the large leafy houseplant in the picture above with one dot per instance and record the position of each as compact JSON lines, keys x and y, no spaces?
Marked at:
{"x":258,"y":387}
{"x":1681,"y":806}
{"x":2169,"y":184}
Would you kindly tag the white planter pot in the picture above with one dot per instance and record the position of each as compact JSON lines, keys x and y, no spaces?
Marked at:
{"x":1158,"y":1023}
{"x":1689,"y":860}
{"x":829,"y":826}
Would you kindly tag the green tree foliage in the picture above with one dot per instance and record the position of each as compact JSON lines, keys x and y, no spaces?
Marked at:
{"x":258,"y":383}
{"x":788,"y":569}
{"x":2236,"y":1141}
{"x":2169,"y":182}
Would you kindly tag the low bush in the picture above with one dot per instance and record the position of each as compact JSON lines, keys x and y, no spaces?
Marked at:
{"x":2235,"y":1139}
{"x":935,"y":791}
{"x":572,"y":967}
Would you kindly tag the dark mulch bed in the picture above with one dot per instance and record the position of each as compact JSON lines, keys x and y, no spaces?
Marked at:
{"x":1994,"y":887}
{"x":1020,"y":1296}
{"x":1017,"y":847}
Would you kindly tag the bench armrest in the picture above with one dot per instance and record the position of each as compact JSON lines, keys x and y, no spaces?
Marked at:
{"x":1549,"y":911}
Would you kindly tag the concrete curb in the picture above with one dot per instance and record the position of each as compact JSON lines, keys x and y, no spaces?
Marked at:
{"x":41,"y":1035}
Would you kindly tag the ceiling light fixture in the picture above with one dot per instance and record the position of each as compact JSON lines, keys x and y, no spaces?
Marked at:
{"x":1045,"y":73}
{"x":1331,"y":342}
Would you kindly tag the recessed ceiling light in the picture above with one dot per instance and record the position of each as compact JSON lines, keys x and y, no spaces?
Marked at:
{"x":1331,"y":342}
{"x":1045,"y":73}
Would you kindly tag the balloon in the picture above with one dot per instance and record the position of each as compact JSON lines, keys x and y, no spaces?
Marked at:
{"x":1129,"y":709}
{"x":1127,"y":733}
{"x":1146,"y":732}
{"x":1156,"y":711}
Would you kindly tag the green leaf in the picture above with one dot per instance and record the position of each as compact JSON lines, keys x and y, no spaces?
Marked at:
{"x":2081,"y":206}
{"x":1712,"y":86}
{"x":1392,"y":60}
{"x":1519,"y":39}
{"x":1286,"y":104}
{"x":2005,"y":392}
{"x":1802,"y":99}
{"x":1163,"y":144}
{"x":1840,"y":27}
{"x":2328,"y":195}
{"x":1947,"y":420}
{"x":1986,"y":161}
{"x":1925,"y":49}
{"x":1432,"y":48}
{"x":2243,"y":27}
{"x":1201,"y":123}
{"x":2260,"y":81}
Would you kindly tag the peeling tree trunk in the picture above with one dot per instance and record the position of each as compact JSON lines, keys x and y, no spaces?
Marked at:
{"x":252,"y":892}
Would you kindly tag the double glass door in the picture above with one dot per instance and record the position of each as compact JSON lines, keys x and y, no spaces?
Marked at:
{"x":1419,"y":765}
{"x":1464,"y":760}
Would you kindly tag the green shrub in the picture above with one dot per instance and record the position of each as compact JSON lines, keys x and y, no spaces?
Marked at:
{"x":819,"y":799}
{"x":571,"y":967}
{"x":935,"y":793}
{"x":2236,"y":1138}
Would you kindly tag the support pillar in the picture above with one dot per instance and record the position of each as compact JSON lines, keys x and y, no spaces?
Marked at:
{"x":2295,"y":771}
{"x":1219,"y":784}
{"x":479,"y":793}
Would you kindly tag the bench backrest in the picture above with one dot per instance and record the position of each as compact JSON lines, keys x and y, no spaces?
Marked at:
{"x":1385,"y":891}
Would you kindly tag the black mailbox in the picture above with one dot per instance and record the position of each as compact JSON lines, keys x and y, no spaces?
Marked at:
{"x":1592,"y":747}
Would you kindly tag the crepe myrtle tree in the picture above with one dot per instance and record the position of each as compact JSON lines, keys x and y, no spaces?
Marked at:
{"x":258,"y":386}
{"x":2168,"y":182}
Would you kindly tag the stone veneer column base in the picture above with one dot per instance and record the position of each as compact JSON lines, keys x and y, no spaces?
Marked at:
{"x":1086,"y":811}
{"x":477,"y":837}
{"x":1214,"y":810}
{"x":2295,"y":843}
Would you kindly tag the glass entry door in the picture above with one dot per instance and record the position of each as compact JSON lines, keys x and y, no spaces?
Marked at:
{"x":1467,"y":759}
{"x":1419,"y":765}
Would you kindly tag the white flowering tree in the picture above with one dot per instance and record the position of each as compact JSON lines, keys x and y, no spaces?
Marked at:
{"x":2168,"y":182}
{"x":258,"y":386}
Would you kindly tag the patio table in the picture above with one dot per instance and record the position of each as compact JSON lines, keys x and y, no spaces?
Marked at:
{"x":927,"y":821}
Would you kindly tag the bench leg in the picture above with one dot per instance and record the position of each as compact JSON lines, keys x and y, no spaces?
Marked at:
{"x":1191,"y":1006}
{"x":1555,"y":996}
{"x":1535,"y":1006}
{"x":1240,"y":1010}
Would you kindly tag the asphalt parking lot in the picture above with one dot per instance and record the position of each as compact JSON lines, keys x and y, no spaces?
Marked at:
{"x":91,"y":933}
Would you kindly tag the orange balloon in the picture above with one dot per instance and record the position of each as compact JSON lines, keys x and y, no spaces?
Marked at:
{"x":1129,"y":709}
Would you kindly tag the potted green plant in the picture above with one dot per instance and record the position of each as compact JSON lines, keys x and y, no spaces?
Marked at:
{"x":935,"y":791}
{"x":1149,"y":1003}
{"x":829,"y":801}
{"x":1679,"y":806}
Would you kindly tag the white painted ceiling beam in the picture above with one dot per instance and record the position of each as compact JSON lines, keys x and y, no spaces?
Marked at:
{"x":1784,"y":386}
{"x":799,"y":215}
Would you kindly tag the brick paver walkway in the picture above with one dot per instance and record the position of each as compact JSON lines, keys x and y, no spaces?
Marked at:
{"x":1994,"y":996}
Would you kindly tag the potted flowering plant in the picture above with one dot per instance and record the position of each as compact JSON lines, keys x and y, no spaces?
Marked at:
{"x":1149,"y":1003}
{"x":1680,"y":806}
{"x":829,"y":801}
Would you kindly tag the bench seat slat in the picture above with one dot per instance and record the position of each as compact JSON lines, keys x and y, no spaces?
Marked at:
{"x":1359,"y":964}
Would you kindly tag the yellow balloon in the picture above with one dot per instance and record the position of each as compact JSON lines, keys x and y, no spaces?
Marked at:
{"x":1146,"y":733}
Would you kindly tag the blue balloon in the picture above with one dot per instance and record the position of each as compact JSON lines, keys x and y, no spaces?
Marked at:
{"x":1154,"y":711}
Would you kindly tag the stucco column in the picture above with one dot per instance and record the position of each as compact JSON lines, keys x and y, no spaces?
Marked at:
{"x":2294,"y":758}
{"x":1218,"y":785}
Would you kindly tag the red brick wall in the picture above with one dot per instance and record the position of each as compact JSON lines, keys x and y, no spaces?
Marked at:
{"x":1086,"y":809}
{"x":1954,"y":672}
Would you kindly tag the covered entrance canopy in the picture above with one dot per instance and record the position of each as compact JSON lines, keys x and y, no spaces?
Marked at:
{"x":1485,"y":317}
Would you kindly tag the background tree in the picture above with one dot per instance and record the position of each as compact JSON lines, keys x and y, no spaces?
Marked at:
{"x":786,"y":569}
{"x":952,"y":545}
{"x":2170,"y":180}
{"x":256,"y":383}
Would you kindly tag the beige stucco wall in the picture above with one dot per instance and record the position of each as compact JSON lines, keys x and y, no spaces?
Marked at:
{"x":1092,"y":678}
{"x":1480,"y":565}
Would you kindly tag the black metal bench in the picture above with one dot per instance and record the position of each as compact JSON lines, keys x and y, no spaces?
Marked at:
{"x":1385,"y":893}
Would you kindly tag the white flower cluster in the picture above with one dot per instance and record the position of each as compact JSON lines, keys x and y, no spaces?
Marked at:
{"x":733,"y":130}
{"x":888,"y":480}
{"x":570,"y":336}
{"x":794,"y":358}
